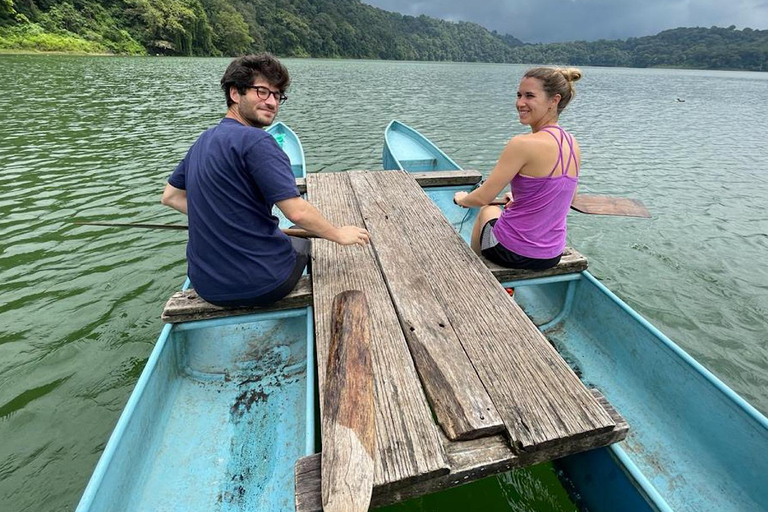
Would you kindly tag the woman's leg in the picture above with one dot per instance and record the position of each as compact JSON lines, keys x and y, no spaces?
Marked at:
{"x":486,"y":213}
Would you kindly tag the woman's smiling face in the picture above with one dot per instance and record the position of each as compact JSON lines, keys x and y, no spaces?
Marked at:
{"x":532,"y":104}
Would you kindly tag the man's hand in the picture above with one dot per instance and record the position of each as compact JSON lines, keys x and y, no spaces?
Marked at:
{"x":351,"y":235}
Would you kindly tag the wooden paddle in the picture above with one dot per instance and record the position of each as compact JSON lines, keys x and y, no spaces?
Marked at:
{"x":297,"y":232}
{"x":602,"y":205}
{"x":348,"y":408}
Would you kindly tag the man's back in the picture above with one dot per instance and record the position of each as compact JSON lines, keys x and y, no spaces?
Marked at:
{"x":233,"y":175}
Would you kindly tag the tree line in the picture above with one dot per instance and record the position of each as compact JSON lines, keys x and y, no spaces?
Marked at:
{"x":341,"y":29}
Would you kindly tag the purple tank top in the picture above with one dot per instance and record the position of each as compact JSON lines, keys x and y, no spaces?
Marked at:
{"x":534,"y":225}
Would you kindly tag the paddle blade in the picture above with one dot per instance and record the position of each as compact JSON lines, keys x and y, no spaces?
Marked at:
{"x":605,"y":205}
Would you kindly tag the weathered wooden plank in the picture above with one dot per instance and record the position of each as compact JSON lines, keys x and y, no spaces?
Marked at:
{"x":187,"y":306}
{"x":301,"y":184}
{"x":407,"y":438}
{"x":571,"y":262}
{"x":349,"y":417}
{"x":445,"y":178}
{"x":541,"y":401}
{"x":458,"y":398}
{"x":469,"y":460}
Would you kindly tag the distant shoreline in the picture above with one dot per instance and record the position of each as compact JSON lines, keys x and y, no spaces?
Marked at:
{"x":5,"y":51}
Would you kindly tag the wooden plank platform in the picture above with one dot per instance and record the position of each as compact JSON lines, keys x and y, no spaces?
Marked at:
{"x":428,"y":287}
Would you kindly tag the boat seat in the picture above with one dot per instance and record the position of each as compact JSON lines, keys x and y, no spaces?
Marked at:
{"x":571,"y":262}
{"x":186,"y":306}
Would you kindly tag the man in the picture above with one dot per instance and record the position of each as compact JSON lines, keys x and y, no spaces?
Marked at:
{"x":227,"y":184}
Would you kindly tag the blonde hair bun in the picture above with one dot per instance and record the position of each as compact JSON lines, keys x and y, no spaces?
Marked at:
{"x":571,"y":74}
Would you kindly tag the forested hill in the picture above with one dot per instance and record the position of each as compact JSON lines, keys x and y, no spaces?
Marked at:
{"x":301,"y":28}
{"x":343,"y":29}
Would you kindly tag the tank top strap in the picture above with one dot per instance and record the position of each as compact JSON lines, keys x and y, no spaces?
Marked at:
{"x":571,"y":154}
{"x":559,"y":161}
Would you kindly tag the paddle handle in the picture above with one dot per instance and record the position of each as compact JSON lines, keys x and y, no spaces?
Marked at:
{"x":297,"y":232}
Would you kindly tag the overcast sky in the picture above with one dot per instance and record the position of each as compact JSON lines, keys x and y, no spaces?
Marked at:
{"x":546,"y":21}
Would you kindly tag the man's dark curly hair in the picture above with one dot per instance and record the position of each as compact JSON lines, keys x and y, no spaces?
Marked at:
{"x":242,"y":71}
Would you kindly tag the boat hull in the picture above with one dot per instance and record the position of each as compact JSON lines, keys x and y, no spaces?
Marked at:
{"x":219,"y":415}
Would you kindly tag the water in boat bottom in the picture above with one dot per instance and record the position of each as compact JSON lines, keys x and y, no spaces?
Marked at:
{"x":531,"y":489}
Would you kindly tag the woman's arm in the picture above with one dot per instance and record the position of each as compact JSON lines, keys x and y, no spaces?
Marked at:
{"x":512,"y":159}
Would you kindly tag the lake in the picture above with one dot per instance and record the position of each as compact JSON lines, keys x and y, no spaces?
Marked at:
{"x":95,"y":138}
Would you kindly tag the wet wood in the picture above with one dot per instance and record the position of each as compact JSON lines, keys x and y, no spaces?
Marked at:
{"x":541,"y":401}
{"x":469,"y":461}
{"x":605,"y":205}
{"x":407,"y":438}
{"x":457,"y":396}
{"x":348,"y":423}
{"x":187,"y":306}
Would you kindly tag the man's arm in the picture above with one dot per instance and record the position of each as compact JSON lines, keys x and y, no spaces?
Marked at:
{"x":303,"y":214}
{"x":174,"y":197}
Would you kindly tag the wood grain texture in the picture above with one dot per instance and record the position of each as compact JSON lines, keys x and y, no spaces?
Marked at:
{"x":462,"y":407}
{"x":469,"y":460}
{"x":348,"y":423}
{"x":540,"y":400}
{"x":187,"y":306}
{"x":407,"y":438}
{"x":606,"y":205}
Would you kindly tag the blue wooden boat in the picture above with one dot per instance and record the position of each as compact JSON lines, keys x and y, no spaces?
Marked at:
{"x":220,"y":413}
{"x":291,"y":144}
{"x":693,"y":444}
{"x":407,"y":149}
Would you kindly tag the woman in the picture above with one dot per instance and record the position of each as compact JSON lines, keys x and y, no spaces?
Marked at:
{"x":542,"y":168}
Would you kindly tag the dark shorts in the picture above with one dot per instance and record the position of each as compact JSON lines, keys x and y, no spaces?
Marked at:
{"x":497,"y":253}
{"x":302,"y":246}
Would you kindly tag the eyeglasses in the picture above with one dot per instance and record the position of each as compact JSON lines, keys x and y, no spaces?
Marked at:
{"x":263,"y":93}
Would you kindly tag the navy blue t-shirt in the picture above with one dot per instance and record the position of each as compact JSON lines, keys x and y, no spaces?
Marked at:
{"x":233,"y":175}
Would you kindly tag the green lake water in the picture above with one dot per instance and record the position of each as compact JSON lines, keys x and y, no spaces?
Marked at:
{"x":94,"y":138}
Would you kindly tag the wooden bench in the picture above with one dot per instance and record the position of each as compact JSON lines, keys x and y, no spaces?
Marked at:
{"x":186,"y":306}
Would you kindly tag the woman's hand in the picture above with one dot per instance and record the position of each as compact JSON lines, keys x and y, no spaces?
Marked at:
{"x":458,"y":196}
{"x":508,"y":200}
